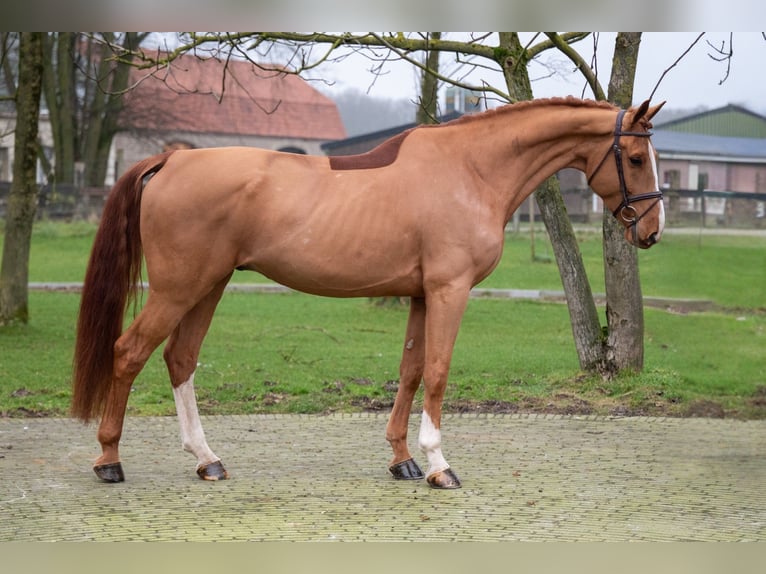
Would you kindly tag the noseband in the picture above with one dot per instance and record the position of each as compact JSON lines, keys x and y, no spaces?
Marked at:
{"x":625,"y":211}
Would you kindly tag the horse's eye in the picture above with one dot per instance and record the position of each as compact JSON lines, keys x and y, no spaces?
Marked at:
{"x":636,"y":160}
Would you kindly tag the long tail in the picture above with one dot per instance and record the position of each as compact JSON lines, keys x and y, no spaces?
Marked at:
{"x":111,"y":282}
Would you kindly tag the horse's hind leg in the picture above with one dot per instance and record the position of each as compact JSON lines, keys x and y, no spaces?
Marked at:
{"x":131,"y":352}
{"x":181,"y":355}
{"x":402,"y":465}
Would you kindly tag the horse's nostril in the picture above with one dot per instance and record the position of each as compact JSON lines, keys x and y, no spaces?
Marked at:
{"x":652,"y":239}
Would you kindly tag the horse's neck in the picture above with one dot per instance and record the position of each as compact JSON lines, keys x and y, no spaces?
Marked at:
{"x":516,"y":153}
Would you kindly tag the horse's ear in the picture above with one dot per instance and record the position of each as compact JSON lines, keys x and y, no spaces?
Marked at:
{"x":652,"y":111}
{"x":645,"y":112}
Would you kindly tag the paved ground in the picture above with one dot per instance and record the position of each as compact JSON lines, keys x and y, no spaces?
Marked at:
{"x":322,"y":478}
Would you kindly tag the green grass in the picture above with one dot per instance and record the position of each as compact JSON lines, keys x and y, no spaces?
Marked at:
{"x":297,"y":353}
{"x":728,"y":270}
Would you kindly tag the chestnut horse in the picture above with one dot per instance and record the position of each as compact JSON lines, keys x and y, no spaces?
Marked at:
{"x":423,"y":216}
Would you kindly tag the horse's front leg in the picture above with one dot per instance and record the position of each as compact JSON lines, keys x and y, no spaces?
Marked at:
{"x":402,"y":465}
{"x":444,"y":312}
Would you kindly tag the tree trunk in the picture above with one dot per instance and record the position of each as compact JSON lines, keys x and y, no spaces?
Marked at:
{"x":22,"y":200}
{"x":107,"y":103}
{"x":583,"y":314}
{"x":66,"y":87}
{"x":95,"y":120}
{"x":624,"y":307}
{"x":59,"y":91}
{"x":429,"y":86}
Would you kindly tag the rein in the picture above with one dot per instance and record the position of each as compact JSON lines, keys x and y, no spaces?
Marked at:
{"x":626,"y":212}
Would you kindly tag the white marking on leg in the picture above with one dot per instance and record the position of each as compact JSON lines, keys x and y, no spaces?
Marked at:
{"x":192,"y":435}
{"x":430,"y":441}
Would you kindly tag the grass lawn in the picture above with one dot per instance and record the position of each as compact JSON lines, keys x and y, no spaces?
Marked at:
{"x":297,"y":353}
{"x":728,"y":270}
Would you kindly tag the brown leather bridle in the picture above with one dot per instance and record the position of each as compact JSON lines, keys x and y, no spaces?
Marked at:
{"x":625,"y":211}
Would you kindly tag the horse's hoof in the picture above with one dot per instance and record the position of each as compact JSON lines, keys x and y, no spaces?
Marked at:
{"x":445,"y":479}
{"x":111,"y":472}
{"x":406,"y":470}
{"x":213,"y":471}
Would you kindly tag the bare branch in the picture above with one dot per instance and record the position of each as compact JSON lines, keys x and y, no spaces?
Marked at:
{"x":404,"y":56}
{"x":8,"y":40}
{"x":724,"y":55}
{"x":567,"y":37}
{"x":579,"y":63}
{"x":674,"y":64}
{"x":297,"y":53}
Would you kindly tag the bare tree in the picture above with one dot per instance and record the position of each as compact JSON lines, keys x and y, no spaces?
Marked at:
{"x":22,"y":200}
{"x":621,"y":345}
{"x":624,"y":344}
{"x":83,"y":87}
{"x":583,"y":314}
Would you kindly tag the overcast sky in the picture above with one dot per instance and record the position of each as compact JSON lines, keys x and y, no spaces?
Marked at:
{"x":693,"y":82}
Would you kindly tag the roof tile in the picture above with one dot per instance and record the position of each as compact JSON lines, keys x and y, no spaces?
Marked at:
{"x":235,"y":97}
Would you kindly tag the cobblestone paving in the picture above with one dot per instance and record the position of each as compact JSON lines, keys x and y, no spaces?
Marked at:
{"x":323,"y":478}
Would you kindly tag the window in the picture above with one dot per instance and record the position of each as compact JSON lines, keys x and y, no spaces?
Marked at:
{"x":671,"y":179}
{"x":5,"y":168}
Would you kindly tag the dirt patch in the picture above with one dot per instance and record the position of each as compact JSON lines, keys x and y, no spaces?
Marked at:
{"x":335,"y":387}
{"x":271,"y":399}
{"x":560,"y":404}
{"x":569,"y":403}
{"x":705,"y":409}
{"x":759,"y":397}
{"x":498,"y":407}
{"x":370,"y":404}
{"x":24,"y":412}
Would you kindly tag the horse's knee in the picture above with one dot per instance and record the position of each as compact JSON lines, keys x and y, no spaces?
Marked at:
{"x":410,"y":376}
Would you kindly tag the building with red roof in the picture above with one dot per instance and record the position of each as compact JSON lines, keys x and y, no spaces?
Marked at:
{"x":196,"y":102}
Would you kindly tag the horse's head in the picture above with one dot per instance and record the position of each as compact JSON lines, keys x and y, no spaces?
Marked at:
{"x":629,"y":185}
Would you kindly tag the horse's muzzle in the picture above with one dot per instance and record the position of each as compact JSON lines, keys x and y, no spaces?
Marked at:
{"x":649,"y":241}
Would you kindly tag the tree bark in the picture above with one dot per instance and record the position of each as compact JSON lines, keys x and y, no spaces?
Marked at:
{"x":59,"y":92}
{"x":107,"y":103}
{"x":583,"y":314}
{"x":22,"y":200}
{"x":95,"y":120}
{"x":429,"y":85}
{"x":624,"y":308}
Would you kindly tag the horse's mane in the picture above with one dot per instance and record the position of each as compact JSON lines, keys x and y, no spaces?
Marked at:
{"x":526,"y":104}
{"x":387,"y":152}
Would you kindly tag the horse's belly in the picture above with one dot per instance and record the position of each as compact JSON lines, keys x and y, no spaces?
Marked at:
{"x":336,"y":280}
{"x":341,"y":267}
